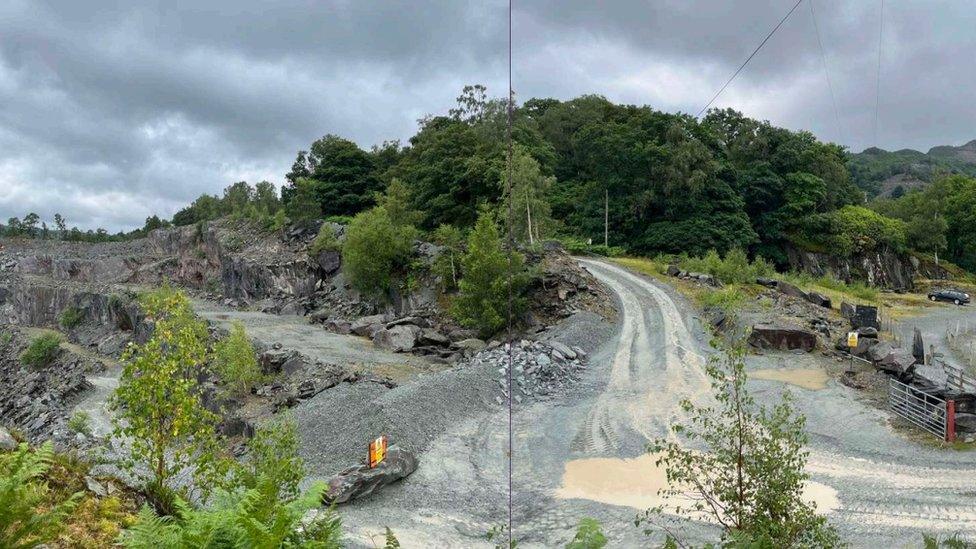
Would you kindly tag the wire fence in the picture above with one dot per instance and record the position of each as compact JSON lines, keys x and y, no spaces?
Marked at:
{"x":961,"y":338}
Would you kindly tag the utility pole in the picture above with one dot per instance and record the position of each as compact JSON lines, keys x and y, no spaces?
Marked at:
{"x":606,"y":217}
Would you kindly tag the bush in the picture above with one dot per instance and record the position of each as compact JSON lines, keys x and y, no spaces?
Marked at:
{"x":236,"y":362}
{"x":728,"y":299}
{"x":376,"y":251}
{"x":324,"y":241}
{"x":80,"y":422}
{"x":71,"y":317}
{"x":263,"y":508}
{"x":490,"y":278}
{"x":27,"y":517}
{"x":589,"y":535}
{"x":42,"y":350}
{"x":742,"y":464}
{"x":734,"y":268}
{"x":272,"y":458}
{"x":851,"y":230}
{"x":577,"y":246}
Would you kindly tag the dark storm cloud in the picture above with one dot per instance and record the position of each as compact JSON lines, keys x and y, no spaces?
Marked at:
{"x":109,"y":114}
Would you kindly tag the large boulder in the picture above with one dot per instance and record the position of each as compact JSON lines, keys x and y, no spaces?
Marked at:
{"x":429,"y":336}
{"x":918,"y":347}
{"x":471,"y":344}
{"x":788,"y":289}
{"x":398,"y":339}
{"x":563,"y":349}
{"x":7,"y":442}
{"x":846,"y":310}
{"x":865,"y":316}
{"x":367,"y":325}
{"x":965,"y":423}
{"x":818,"y":298}
{"x":899,"y":362}
{"x":766,"y":336}
{"x":329,"y":261}
{"x":360,"y":481}
{"x":879,"y":352}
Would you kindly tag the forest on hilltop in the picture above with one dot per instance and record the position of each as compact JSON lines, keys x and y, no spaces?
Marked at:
{"x":670,"y":183}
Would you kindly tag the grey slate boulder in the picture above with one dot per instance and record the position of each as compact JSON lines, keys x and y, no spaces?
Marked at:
{"x":361,"y":481}
{"x":765,"y":336}
{"x":398,"y":339}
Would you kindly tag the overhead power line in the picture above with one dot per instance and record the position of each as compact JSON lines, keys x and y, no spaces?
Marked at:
{"x":830,"y":86}
{"x":753,"y":54}
{"x":877,"y":90}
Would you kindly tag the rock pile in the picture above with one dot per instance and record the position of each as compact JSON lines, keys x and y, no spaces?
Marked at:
{"x":706,"y":279}
{"x":540,"y":368}
{"x":38,"y":399}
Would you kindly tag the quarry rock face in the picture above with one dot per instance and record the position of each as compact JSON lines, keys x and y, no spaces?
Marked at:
{"x":360,"y":481}
{"x":881,"y":268}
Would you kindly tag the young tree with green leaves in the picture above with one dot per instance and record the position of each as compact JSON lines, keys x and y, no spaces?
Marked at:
{"x":527,"y":198}
{"x":743,"y":465}
{"x":236,"y":362}
{"x":447,"y":265}
{"x":376,"y":251}
{"x":397,"y":201}
{"x":159,"y":412}
{"x":492,"y":280}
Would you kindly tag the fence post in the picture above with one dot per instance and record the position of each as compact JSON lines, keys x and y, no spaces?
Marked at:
{"x":950,"y":420}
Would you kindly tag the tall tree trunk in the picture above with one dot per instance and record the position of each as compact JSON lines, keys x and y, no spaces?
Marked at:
{"x":528,"y":217}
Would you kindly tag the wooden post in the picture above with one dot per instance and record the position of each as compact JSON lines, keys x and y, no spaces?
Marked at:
{"x":950,"y":421}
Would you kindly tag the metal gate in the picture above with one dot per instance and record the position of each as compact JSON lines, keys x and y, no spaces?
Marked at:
{"x":933,"y":414}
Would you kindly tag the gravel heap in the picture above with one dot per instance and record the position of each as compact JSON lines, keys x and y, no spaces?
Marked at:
{"x":541,"y":368}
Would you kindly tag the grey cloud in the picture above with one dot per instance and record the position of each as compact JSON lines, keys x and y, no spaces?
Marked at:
{"x":110,"y":113}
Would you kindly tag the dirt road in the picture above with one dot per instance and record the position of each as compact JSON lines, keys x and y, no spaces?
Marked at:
{"x":582,"y":454}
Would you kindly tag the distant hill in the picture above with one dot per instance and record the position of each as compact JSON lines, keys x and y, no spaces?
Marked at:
{"x":880,"y":173}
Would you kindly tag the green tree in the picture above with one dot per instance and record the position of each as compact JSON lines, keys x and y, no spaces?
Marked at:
{"x":159,"y":412}
{"x":492,"y":281}
{"x":743,"y":465}
{"x":447,"y":265}
{"x":376,"y":251}
{"x":303,"y":205}
{"x":341,"y":176}
{"x":397,"y":201}
{"x":266,"y":198}
{"x":235,"y":361}
{"x":528,"y":198}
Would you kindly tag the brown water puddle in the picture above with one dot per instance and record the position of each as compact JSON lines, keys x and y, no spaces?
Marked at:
{"x":813,"y":379}
{"x":635,"y":483}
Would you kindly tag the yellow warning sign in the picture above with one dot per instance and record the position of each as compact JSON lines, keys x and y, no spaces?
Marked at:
{"x":377,"y":451}
{"x":852,"y":339}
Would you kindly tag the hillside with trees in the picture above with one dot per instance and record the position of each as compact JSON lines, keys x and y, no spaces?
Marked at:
{"x":589,"y":171}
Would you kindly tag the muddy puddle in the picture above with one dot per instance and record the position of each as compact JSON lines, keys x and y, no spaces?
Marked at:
{"x":635,"y":483}
{"x":813,"y":379}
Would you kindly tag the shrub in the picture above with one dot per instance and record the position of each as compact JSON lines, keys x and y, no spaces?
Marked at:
{"x":743,"y":465}
{"x":236,"y":362}
{"x":851,"y":230}
{"x":376,"y":251}
{"x":71,"y":317}
{"x":734,"y":268}
{"x":490,"y":279}
{"x":447,"y":265}
{"x":42,"y":350}
{"x":27,"y":518}
{"x":272,"y":458}
{"x":589,"y":535}
{"x":263,"y":508}
{"x":728,"y":299}
{"x":80,"y":422}
{"x":324,"y":241}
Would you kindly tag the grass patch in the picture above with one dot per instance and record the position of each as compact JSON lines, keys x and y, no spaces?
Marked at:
{"x":42,"y":350}
{"x":70,"y":317}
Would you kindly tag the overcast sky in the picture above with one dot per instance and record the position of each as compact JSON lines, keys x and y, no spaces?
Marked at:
{"x":109,"y":114}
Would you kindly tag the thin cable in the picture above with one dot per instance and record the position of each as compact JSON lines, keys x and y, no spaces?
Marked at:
{"x":877,"y":90}
{"x":830,"y":86}
{"x":753,"y":54}
{"x":511,"y":249}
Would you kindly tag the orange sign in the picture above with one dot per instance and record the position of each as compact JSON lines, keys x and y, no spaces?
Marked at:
{"x":377,"y":451}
